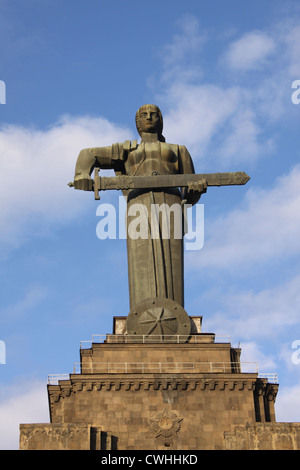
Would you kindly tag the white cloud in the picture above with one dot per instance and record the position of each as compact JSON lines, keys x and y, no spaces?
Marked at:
{"x":33,"y":296}
{"x":290,"y":354}
{"x":36,"y":166}
{"x":180,"y":56}
{"x":243,"y":140}
{"x":30,"y":406}
{"x":215,"y":123}
{"x":266,"y":227}
{"x":287,"y":33}
{"x":187,"y":41}
{"x":196,"y":113}
{"x":267,"y":314}
{"x":207,"y":117}
{"x":229,"y":119}
{"x":250,"y":51}
{"x":252,"y":353}
{"x":287,"y":406}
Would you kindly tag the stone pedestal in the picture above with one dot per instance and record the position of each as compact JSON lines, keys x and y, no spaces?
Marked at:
{"x":142,"y":393}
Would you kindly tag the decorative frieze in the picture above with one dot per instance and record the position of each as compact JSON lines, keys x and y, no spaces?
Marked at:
{"x":264,"y":436}
{"x":117,"y":385}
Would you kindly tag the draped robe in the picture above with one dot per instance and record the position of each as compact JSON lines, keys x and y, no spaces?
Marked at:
{"x":155,"y":265}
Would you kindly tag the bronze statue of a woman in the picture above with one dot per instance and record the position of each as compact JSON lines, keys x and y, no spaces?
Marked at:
{"x":155,"y":264}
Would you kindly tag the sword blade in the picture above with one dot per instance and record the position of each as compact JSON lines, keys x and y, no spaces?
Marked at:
{"x":168,"y":181}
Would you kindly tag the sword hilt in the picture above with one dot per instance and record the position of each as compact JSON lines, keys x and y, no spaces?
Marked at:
{"x":96,"y":184}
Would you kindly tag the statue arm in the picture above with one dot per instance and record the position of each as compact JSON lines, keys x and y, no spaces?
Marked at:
{"x":101,"y":157}
{"x":192,"y":193}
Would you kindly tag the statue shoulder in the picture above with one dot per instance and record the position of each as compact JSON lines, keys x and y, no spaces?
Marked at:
{"x":129,"y":145}
{"x":173,"y":147}
{"x":177,"y":149}
{"x":183,"y":150}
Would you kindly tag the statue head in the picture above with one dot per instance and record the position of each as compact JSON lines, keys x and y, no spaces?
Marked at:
{"x":149,"y":119}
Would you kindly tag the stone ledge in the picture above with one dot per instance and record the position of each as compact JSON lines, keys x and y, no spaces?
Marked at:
{"x":200,"y":341}
{"x":86,"y":383}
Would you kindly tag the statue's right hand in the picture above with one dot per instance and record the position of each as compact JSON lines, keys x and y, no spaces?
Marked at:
{"x":83,"y":182}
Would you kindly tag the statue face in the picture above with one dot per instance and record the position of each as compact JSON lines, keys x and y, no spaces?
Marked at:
{"x":149,"y":119}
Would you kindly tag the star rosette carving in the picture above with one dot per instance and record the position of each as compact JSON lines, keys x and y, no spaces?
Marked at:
{"x":159,"y":318}
{"x":165,"y":424}
{"x":159,"y":321}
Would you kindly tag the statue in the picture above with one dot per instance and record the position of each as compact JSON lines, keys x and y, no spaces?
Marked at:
{"x":152,"y":174}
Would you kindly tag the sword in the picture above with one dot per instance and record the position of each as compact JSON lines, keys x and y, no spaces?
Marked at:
{"x":157,"y":181}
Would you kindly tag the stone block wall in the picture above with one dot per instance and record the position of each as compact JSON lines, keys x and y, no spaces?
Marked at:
{"x":198,"y":400}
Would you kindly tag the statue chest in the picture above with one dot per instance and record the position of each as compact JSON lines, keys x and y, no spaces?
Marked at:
{"x":152,"y":158}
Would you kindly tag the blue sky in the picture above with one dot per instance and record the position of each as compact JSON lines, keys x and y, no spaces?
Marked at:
{"x":75,"y":74}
